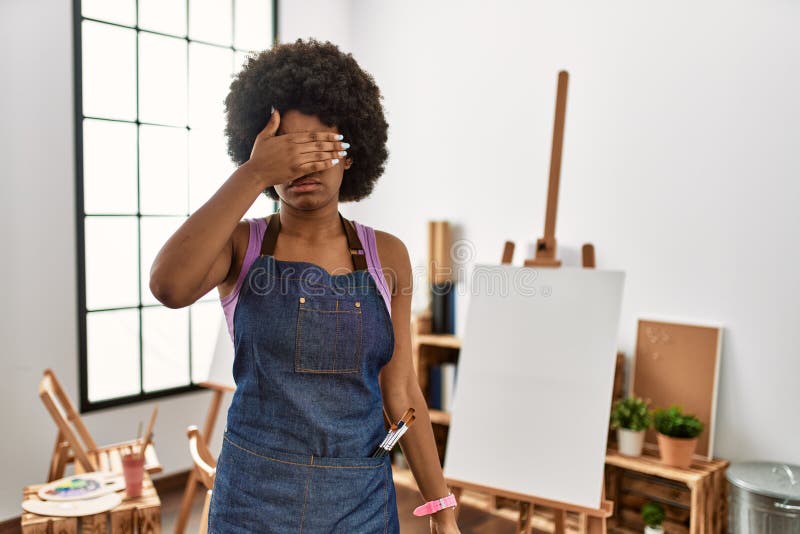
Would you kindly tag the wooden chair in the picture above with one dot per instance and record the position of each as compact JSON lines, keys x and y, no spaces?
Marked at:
{"x":205,"y":468}
{"x":75,"y":444}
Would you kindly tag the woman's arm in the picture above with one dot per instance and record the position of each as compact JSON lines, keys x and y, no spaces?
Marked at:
{"x":400,"y":387}
{"x":197,"y":257}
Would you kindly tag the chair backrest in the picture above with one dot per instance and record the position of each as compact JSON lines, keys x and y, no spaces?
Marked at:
{"x":67,"y":419}
{"x":205,"y":465}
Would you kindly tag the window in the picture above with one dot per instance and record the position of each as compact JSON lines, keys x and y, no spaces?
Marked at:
{"x":150,"y":82}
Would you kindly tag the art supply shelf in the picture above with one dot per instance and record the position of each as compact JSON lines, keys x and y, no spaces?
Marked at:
{"x":428,"y":350}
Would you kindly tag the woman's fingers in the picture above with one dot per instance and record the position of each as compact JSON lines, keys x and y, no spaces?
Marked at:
{"x":309,"y":157}
{"x":316,"y":166}
{"x":319,"y":146}
{"x":272,"y":125}
{"x":305,"y":137}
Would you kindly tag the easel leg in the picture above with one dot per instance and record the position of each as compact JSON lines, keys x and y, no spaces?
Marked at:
{"x":583,"y":523}
{"x":525,"y":523}
{"x":191,"y":483}
{"x":559,"y":520}
{"x":59,"y":460}
{"x":597,"y":525}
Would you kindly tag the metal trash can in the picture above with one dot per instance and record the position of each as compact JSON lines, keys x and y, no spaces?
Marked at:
{"x":764,"y":498}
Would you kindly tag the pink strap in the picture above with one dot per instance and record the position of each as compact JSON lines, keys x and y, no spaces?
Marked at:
{"x":434,"y":506}
{"x":367,"y":236}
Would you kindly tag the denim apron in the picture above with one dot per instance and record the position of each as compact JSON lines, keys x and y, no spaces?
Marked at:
{"x":307,"y":411}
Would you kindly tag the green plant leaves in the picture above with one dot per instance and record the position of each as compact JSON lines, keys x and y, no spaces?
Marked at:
{"x":653,"y":514}
{"x":674,"y":423}
{"x":631,"y":413}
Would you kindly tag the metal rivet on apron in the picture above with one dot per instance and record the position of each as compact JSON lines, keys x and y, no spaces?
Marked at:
{"x":302,"y":299}
{"x":358,"y":304}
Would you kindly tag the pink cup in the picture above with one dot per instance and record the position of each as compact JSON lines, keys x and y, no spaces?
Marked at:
{"x":133,"y":470}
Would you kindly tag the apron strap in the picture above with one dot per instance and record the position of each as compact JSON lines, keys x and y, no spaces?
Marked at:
{"x":353,"y":242}
{"x":356,"y":249}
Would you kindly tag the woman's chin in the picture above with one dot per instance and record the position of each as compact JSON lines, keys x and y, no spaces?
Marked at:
{"x":304,"y":200}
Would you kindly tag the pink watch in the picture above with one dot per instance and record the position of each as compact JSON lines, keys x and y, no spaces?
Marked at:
{"x":434,"y":506}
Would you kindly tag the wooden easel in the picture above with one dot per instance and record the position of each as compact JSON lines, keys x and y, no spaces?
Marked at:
{"x":219,"y":391}
{"x":546,"y":245}
{"x":590,"y":520}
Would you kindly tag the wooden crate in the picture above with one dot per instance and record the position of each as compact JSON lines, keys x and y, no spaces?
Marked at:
{"x":694,"y":499}
{"x":138,"y":515}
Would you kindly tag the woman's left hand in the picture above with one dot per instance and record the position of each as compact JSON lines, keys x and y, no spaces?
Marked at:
{"x":439,"y":529}
{"x":444,"y":525}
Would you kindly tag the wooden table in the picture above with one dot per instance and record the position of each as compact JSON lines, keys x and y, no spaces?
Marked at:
{"x":138,"y":515}
{"x":694,"y":499}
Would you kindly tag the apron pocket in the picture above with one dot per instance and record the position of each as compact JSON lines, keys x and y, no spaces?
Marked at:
{"x":328,"y":338}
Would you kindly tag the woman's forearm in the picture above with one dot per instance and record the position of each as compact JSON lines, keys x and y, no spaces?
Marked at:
{"x":419,"y":445}
{"x":181,"y":269}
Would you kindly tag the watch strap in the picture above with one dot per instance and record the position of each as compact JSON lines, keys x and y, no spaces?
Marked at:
{"x":434,"y":506}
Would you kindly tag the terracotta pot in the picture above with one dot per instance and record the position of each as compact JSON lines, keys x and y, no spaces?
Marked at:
{"x":630,"y":442}
{"x":677,"y":452}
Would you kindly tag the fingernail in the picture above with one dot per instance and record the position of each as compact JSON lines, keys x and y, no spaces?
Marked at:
{"x":339,"y":137}
{"x":271,"y":110}
{"x":345,"y":145}
{"x":343,"y":153}
{"x":334,"y":161}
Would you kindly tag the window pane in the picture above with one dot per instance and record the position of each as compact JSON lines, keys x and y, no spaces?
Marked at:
{"x":112,"y":347}
{"x":165,"y":356}
{"x":210,"y":20}
{"x":109,"y":167}
{"x":163,"y":170}
{"x":262,"y":207}
{"x":253,"y":23}
{"x":119,"y":11}
{"x":109,"y":71}
{"x":155,"y":232}
{"x":166,"y":16}
{"x":210,"y":76}
{"x":209,"y":165}
{"x":111,"y":262}
{"x":162,"y":79}
{"x":207,"y":319}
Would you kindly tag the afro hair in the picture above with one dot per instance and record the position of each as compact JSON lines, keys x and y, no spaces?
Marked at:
{"x":318,"y":79}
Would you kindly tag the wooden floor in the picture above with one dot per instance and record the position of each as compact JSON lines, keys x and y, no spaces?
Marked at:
{"x":471,"y":519}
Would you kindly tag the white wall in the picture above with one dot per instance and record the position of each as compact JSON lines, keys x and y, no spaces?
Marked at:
{"x":681,"y":162}
{"x":324,"y":20}
{"x":37,"y":221}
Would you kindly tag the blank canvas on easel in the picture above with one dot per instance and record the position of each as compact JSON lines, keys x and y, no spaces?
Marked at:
{"x":535,"y":379}
{"x":679,"y":364}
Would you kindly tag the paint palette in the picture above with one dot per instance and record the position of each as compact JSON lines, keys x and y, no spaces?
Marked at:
{"x":76,"y":508}
{"x":82,"y":487}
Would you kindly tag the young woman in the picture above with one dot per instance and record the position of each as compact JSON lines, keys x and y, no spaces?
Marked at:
{"x":318,"y":306}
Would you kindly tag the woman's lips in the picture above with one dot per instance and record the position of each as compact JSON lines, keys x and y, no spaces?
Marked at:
{"x":303,"y":184}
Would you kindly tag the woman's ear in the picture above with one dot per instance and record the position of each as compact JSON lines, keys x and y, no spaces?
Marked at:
{"x":348,"y":162}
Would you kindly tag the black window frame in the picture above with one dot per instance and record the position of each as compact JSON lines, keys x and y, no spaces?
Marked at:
{"x":85,"y":404}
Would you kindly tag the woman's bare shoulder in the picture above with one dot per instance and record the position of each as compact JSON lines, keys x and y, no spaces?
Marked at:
{"x":240,"y":238}
{"x":390,"y":246}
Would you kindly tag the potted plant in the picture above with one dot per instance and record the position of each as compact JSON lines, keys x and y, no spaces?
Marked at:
{"x":677,"y":435}
{"x":653,"y":515}
{"x":631,"y":418}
